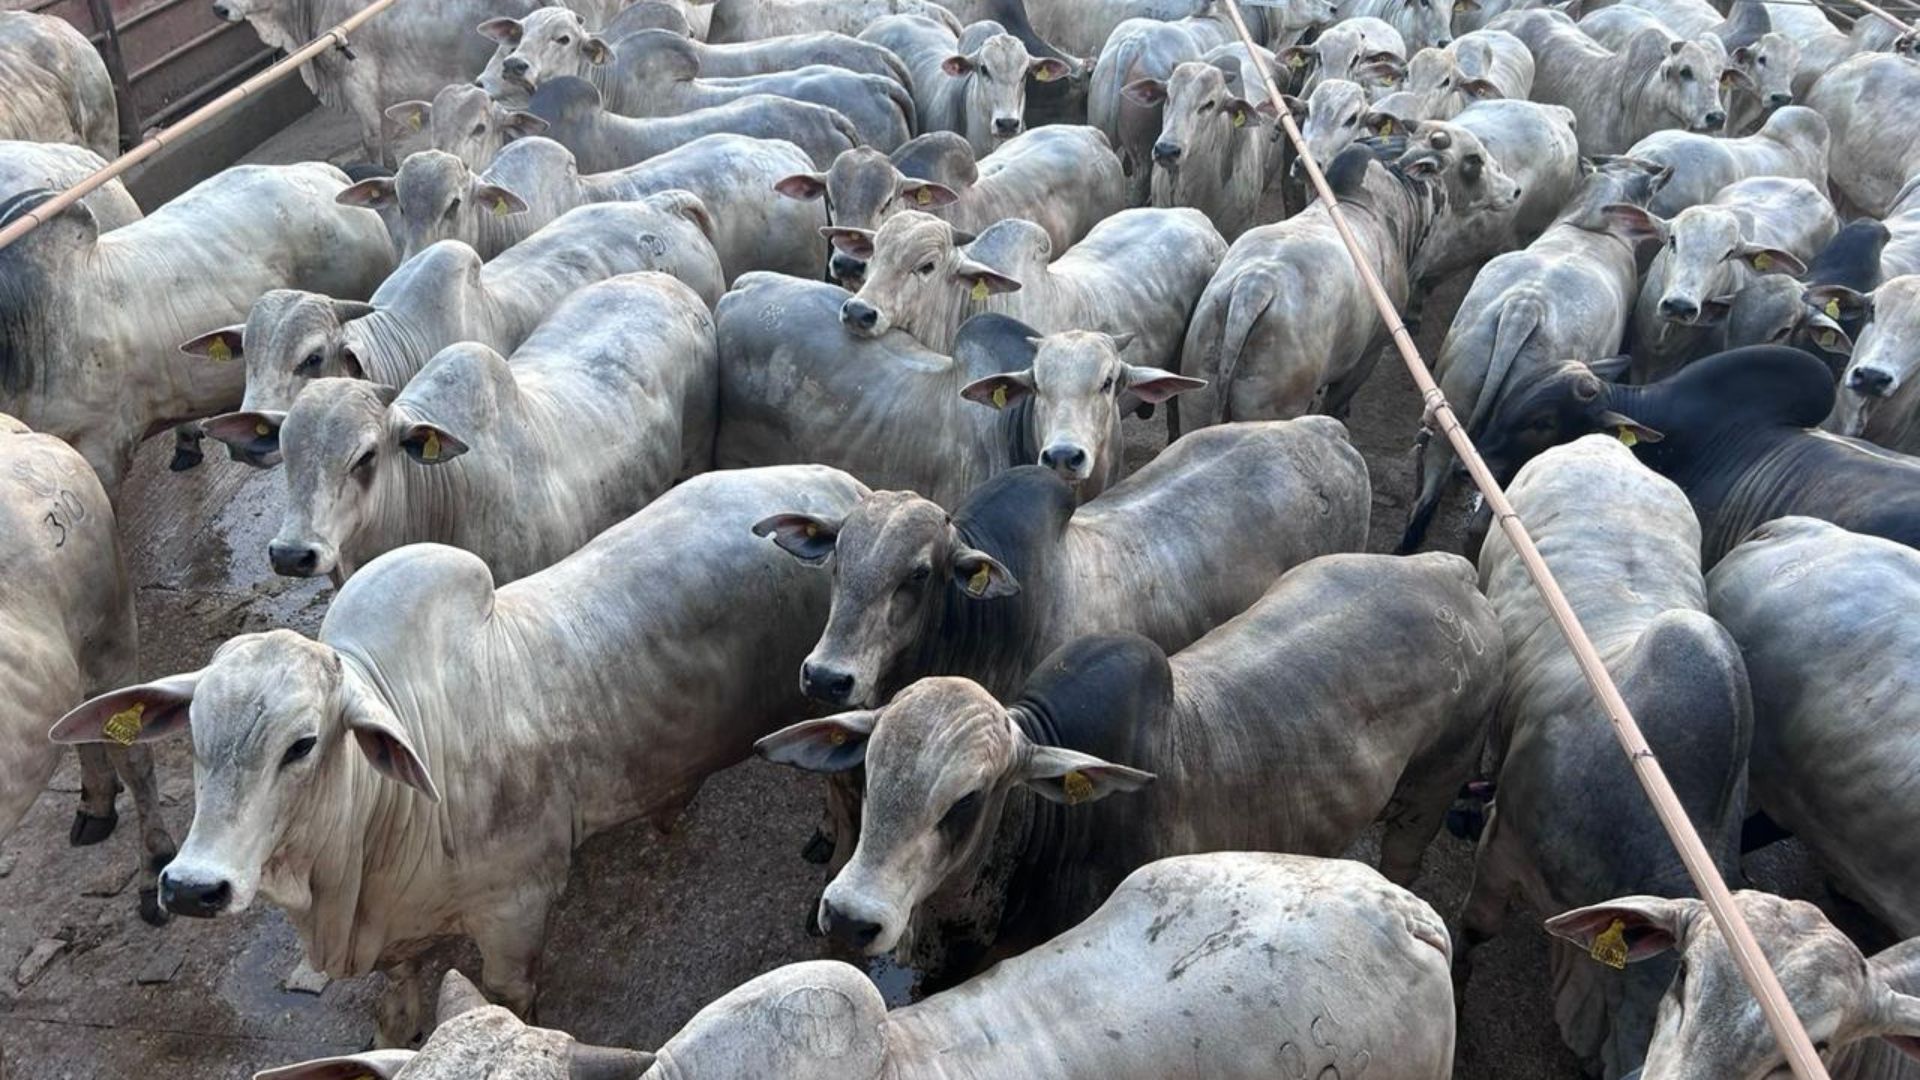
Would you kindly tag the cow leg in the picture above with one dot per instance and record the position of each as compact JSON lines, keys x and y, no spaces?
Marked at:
{"x":95,"y":819}
{"x":1436,"y":460}
{"x":1420,"y":804}
{"x":400,"y":1014}
{"x":134,"y":764}
{"x":1494,"y":880}
{"x":186,"y":447}
{"x":511,"y":941}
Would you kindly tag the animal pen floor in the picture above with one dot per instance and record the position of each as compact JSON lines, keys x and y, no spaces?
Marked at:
{"x":652,"y":926}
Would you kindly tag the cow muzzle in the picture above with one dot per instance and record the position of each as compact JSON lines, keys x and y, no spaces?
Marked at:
{"x":291,"y":558}
{"x":1167,"y":154}
{"x":847,"y":271}
{"x":1069,"y":462}
{"x":854,"y":931}
{"x":227,"y":13}
{"x":1006,"y":127}
{"x":827,"y":684}
{"x":860,"y":317}
{"x":195,"y":899}
{"x":1713,"y":121}
{"x":1679,"y":309}
{"x":1779,"y":100}
{"x":1870,"y":382}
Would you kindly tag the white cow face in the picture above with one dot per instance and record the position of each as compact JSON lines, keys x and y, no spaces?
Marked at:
{"x":1705,"y":261}
{"x":1766,"y":68}
{"x":919,"y":280}
{"x":1709,"y":1027}
{"x":1201,"y":113}
{"x":1690,"y":83}
{"x":270,"y":718}
{"x":1887,"y":357}
{"x":996,"y":89}
{"x":940,"y":760}
{"x":548,"y":43}
{"x":337,"y":448}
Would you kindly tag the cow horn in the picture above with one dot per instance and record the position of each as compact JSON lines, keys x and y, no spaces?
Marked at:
{"x":588,"y":1062}
{"x":1440,"y":140}
{"x":457,"y":996}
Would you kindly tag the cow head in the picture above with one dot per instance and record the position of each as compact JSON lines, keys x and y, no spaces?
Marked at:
{"x":1777,"y":310}
{"x":1886,"y":359}
{"x":919,"y":280}
{"x":465,"y":122}
{"x":271,"y":718}
{"x":1552,"y":405}
{"x":996,"y":75}
{"x":862,"y":188}
{"x":1708,"y":1027}
{"x":1765,"y":68}
{"x":1201,"y":114}
{"x":1684,"y":77}
{"x":940,"y":761}
{"x":1075,"y":390}
{"x":896,"y":562}
{"x":1482,"y":198}
{"x":435,"y":196}
{"x":234,"y":11}
{"x":1705,"y":259}
{"x":1429,"y":23}
{"x":290,"y":337}
{"x":549,"y":43}
{"x":336,"y":446}
{"x":1336,"y":115}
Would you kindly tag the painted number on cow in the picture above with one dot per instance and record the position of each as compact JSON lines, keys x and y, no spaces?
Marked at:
{"x":64,"y":508}
{"x":1465,"y":639}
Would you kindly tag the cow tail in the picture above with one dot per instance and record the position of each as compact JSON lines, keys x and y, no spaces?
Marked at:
{"x":903,"y":100}
{"x":845,"y":127}
{"x":1247,"y":301}
{"x":1517,"y":322}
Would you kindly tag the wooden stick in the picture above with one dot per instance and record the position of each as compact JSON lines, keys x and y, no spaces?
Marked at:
{"x":1706,"y":877}
{"x":47,"y":211}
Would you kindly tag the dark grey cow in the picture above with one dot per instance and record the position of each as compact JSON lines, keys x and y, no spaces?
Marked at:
{"x":331,"y":774}
{"x":1015,"y":571}
{"x":1568,"y":294}
{"x":437,"y":197}
{"x":973,"y":83}
{"x":626,"y":365}
{"x":1833,"y":722}
{"x":1733,"y":430}
{"x":1570,"y":825}
{"x":446,"y":295}
{"x":1821,"y":311}
{"x":1063,"y":177}
{"x":602,"y":141}
{"x":58,"y":90}
{"x":1621,"y":97}
{"x":796,"y":386}
{"x":955,"y":870}
{"x":1862,"y":1012}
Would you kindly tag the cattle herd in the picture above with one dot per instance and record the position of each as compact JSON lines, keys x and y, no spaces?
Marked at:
{"x":751,"y":377}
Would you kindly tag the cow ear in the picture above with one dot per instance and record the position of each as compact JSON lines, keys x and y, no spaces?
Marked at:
{"x":1153,"y":386}
{"x":1839,"y":303}
{"x":142,"y":713}
{"x":520,"y":125}
{"x":1049,"y":68}
{"x":1644,"y":926}
{"x":1610,"y":368}
{"x":374,"y":194}
{"x":410,"y":115}
{"x":1240,"y":111}
{"x":1826,"y":333}
{"x":957,"y":66}
{"x":1628,"y":429}
{"x":803,"y":186}
{"x":1296,"y":59}
{"x":503,"y":30}
{"x":367,"y":1065}
{"x":1383,"y":68}
{"x":1466,"y":5}
{"x":254,"y":433}
{"x":1634,"y":222}
{"x":1295,"y":106}
{"x":217,"y":345}
{"x":1145,"y":92}
{"x":981,"y":278}
{"x":1479,"y":89}
{"x":497,"y":200}
{"x":830,"y":744}
{"x":1768,"y":260}
{"x":925,"y":193}
{"x":981,"y":576}
{"x":382,"y":738}
{"x":855,"y":242}
{"x":596,"y":50}
{"x":431,"y":444}
{"x":1071,"y":778}
{"x":1735,"y":79}
{"x":803,"y":536}
{"x":1001,"y":390}
{"x":1383,"y":124}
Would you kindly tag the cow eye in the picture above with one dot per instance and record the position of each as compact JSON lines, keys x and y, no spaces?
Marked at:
{"x":452,"y":207}
{"x":1206,"y":106}
{"x":1760,"y":60}
{"x":1686,"y":73}
{"x":299,"y":750}
{"x":984,"y":73}
{"x":1107,"y":386}
{"x":563,"y":40}
{"x":1444,"y":83}
{"x":959,"y":818}
{"x":924,"y":269}
{"x":365,"y":464}
{"x":308,"y":366}
{"x":920,"y":574}
{"x":479,"y":129}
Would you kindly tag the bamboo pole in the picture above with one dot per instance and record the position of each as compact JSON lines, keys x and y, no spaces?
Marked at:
{"x":333,"y":38}
{"x":1753,"y":965}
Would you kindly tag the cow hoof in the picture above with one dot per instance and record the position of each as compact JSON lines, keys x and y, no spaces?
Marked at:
{"x":185,"y":460}
{"x":88,"y":829}
{"x":819,"y":848}
{"x":151,"y":912}
{"x":1467,"y":822}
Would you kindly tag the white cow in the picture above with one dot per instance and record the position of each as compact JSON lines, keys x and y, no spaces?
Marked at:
{"x":57,"y":85}
{"x":427,"y":766}
{"x":1869,"y":102}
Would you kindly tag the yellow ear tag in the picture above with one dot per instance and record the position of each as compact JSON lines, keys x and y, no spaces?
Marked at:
{"x":1628,"y":438}
{"x":1386,"y":127}
{"x":977,"y":584}
{"x":999,"y":397}
{"x":430,"y":450}
{"x":219,"y":352}
{"x":836,"y":737}
{"x":1832,"y":309}
{"x":1296,"y":61}
{"x":979,"y":290}
{"x":1610,"y":948}
{"x":923,"y":196}
{"x":262,"y":429}
{"x":1827,"y":338}
{"x":1043,"y":75}
{"x":812,"y":530}
{"x":413,"y":121}
{"x":1239,"y":119}
{"x":1077,"y":787}
{"x":124,"y":726}
{"x":499,"y":208}
{"x":1762,"y":261}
